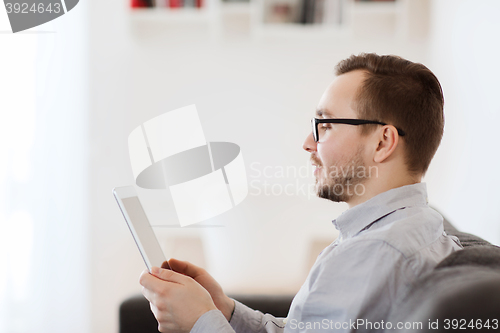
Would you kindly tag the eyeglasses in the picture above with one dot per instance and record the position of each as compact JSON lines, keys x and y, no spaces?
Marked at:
{"x":316,"y":121}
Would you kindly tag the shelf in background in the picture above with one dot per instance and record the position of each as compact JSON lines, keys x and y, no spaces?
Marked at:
{"x":291,"y":31}
{"x":236,"y":7}
{"x":375,"y":7}
{"x":166,"y":15}
{"x":346,"y":18}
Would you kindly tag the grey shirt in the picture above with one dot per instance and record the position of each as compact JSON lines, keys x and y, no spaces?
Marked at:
{"x":384,"y":244}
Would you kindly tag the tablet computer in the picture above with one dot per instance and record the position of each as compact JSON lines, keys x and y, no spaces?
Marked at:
{"x":139,"y":226}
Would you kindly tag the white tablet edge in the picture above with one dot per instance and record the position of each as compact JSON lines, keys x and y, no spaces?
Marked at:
{"x":128,"y":192}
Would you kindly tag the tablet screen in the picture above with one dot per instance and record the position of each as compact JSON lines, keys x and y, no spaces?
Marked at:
{"x":143,"y":233}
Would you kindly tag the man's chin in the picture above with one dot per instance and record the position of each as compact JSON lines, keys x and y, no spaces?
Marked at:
{"x":327,"y":192}
{"x":319,"y":186}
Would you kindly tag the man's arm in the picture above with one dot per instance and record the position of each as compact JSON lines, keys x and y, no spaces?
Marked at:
{"x":244,"y":320}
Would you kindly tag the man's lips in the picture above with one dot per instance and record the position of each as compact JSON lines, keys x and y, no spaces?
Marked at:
{"x":316,"y":165}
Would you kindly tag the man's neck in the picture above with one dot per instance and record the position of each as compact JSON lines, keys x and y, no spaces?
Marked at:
{"x":375,"y":186}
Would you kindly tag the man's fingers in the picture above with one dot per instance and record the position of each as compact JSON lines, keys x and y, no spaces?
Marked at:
{"x":156,"y":283}
{"x":168,"y":275}
{"x":177,"y":265}
{"x":165,"y":265}
{"x":147,"y":294}
{"x":148,"y":281}
{"x":143,"y":279}
{"x":186,"y":268}
{"x":160,"y":284}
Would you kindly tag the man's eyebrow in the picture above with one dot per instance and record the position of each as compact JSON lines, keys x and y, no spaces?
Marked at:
{"x":324,"y":112}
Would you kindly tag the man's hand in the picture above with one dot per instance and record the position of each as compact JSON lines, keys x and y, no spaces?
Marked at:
{"x":176,"y":300}
{"x":223,"y":303}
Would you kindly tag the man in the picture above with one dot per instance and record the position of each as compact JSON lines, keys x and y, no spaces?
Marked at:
{"x":378,"y":126}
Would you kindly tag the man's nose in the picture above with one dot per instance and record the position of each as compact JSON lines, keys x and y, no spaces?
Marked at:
{"x":309,"y":144}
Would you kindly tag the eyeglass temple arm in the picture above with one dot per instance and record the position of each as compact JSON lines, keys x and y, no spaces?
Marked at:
{"x":355,"y":122}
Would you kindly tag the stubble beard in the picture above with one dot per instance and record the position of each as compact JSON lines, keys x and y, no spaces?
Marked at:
{"x":337,"y":186}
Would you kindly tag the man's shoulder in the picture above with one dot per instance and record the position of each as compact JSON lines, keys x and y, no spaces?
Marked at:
{"x":407,"y":230}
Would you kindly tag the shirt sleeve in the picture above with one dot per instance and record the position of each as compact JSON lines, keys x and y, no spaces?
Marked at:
{"x":244,"y":320}
{"x":247,"y":320}
{"x":212,"y":322}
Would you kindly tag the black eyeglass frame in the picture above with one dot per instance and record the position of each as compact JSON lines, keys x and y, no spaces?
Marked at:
{"x":316,"y":121}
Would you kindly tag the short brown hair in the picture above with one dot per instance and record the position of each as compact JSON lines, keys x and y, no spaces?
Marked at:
{"x":404,"y":94}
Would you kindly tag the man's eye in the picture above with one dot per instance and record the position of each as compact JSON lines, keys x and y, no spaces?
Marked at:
{"x":326,"y":127}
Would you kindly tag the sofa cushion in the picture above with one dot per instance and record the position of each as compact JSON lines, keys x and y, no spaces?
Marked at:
{"x":467,"y":240}
{"x":486,"y":256}
{"x":457,"y":292}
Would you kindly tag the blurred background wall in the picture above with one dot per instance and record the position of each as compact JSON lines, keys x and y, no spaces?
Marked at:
{"x":256,"y":86}
{"x":45,"y":241}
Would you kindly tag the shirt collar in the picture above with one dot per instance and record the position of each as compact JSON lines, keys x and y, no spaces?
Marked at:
{"x":355,"y":219}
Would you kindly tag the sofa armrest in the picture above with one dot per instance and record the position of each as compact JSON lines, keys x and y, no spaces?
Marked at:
{"x":136,"y":317}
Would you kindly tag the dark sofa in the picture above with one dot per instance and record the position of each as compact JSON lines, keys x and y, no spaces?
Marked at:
{"x":461,"y":294}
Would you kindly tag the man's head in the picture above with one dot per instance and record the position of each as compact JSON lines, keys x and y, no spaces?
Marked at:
{"x":389,"y":90}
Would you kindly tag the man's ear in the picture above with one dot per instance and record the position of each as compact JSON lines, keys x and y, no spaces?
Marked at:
{"x":388,"y":140}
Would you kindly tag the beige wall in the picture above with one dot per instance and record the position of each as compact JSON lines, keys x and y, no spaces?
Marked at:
{"x":139,"y":72}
